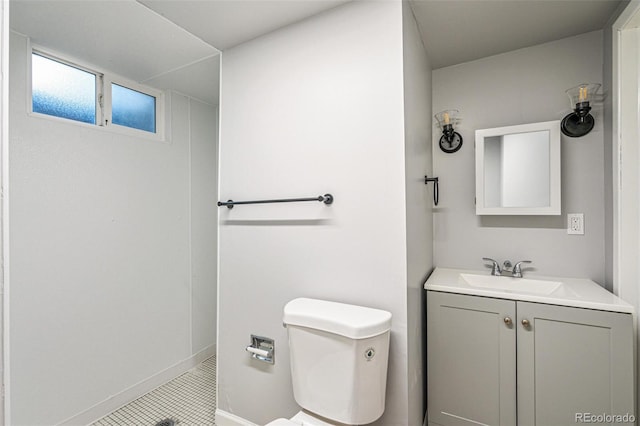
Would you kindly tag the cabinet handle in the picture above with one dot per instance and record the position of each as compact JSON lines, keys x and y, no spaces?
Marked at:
{"x":525,"y":323}
{"x":507,"y":320}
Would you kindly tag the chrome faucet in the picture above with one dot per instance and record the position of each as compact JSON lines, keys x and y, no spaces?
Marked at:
{"x":516,"y":272}
{"x":495,"y":269}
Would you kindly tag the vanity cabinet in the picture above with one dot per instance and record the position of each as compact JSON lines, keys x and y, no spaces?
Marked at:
{"x":505,"y":362}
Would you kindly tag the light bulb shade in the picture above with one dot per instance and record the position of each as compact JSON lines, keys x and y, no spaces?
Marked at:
{"x":582,"y":93}
{"x":447,"y":117}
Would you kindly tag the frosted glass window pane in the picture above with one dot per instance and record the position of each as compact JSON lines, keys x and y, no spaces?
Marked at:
{"x":62,"y":90}
{"x":133,"y":109}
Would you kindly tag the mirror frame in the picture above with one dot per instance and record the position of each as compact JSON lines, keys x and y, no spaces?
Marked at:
{"x":554,"y":169}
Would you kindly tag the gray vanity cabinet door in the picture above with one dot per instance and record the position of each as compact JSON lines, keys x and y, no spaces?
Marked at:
{"x":572,"y":360}
{"x":471,"y":360}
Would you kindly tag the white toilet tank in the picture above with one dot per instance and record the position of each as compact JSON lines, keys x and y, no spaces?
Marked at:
{"x":339,"y":356}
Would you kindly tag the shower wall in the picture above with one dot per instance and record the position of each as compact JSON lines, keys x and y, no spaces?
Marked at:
{"x":112,"y":273}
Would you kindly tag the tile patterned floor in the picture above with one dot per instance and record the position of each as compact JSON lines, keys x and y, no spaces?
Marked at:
{"x":189,"y":400}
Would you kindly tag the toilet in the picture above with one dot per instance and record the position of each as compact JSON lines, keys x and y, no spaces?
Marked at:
{"x":339,"y":355}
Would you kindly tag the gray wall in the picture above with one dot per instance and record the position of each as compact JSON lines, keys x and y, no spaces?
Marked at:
{"x":522,"y":86}
{"x":610,"y":155}
{"x":301,"y":117}
{"x":419,"y":202}
{"x":203,"y":167}
{"x":102,"y":253}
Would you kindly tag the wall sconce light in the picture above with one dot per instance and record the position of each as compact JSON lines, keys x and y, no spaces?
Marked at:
{"x":579,"y":122}
{"x":450,"y":141}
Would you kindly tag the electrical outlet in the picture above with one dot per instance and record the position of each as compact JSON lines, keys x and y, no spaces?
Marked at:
{"x":575,"y":223}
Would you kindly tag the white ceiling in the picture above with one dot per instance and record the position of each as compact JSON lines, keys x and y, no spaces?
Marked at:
{"x":456,"y":31}
{"x":227,"y":23}
{"x":174,"y":44}
{"x":122,"y":37}
{"x":189,"y":80}
{"x":168,"y":44}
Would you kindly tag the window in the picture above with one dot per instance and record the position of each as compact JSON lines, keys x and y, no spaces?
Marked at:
{"x":132,"y":108}
{"x":72,"y":92}
{"x":62,"y":90}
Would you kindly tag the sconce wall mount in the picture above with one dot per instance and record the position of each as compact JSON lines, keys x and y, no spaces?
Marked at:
{"x":450,"y":141}
{"x":579,"y":122}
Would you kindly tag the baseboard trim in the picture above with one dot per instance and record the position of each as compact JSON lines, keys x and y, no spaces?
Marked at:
{"x":121,"y":399}
{"x":227,"y":419}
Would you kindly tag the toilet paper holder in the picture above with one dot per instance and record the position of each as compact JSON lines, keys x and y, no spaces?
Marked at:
{"x":262,"y":349}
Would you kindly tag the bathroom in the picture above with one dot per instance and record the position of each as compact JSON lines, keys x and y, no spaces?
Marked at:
{"x":339,"y":102}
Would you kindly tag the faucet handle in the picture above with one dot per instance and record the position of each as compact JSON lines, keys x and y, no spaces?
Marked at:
{"x":517,"y":269}
{"x":495,"y":269}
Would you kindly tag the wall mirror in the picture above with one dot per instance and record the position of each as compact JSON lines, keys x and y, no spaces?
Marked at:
{"x":518,"y":170}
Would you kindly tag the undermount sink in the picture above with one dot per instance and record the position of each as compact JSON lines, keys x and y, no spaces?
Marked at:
{"x":521,"y":285}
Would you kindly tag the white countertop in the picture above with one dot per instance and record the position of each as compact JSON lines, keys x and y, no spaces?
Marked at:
{"x":577,"y":292}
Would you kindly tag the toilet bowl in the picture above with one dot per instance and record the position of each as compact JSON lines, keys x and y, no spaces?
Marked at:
{"x":301,"y":419}
{"x":339,"y":355}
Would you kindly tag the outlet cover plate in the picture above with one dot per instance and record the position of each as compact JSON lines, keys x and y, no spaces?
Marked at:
{"x":575,"y":223}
